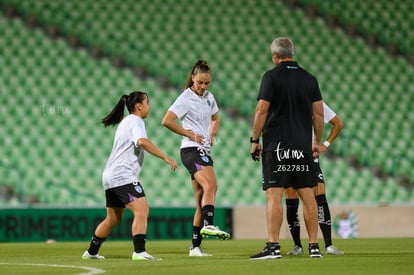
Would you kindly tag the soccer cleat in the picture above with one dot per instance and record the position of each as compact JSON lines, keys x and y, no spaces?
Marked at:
{"x":144,"y":256}
{"x":212,"y":230}
{"x":197,"y":252}
{"x":314,"y":251}
{"x":297,"y":250}
{"x":271,"y":251}
{"x":333,"y":250}
{"x":87,"y":256}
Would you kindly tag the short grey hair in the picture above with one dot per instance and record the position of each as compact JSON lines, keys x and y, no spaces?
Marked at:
{"x":283,"y":47}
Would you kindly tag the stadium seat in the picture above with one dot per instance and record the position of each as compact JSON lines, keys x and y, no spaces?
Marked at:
{"x":75,"y":90}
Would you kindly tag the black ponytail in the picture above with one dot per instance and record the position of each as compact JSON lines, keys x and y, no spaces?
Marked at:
{"x":117,"y":113}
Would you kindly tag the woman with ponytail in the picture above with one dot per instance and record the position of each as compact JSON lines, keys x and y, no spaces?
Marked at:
{"x":121,"y":173}
{"x":197,"y":109}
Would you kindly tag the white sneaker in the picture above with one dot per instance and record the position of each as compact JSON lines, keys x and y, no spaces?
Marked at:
{"x":212,"y":230}
{"x":144,"y":256}
{"x":87,"y":256}
{"x":333,"y":250}
{"x":196,"y":251}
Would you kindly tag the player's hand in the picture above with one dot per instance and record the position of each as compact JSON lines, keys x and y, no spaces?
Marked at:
{"x":323,"y":149}
{"x":256,"y":151}
{"x":171,"y":162}
{"x":317,"y":150}
{"x":196,"y":137}
{"x":212,"y":140}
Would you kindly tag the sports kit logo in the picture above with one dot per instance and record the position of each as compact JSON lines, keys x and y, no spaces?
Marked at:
{"x":205,"y":159}
{"x":137,"y":187}
{"x":203,"y":155}
{"x":320,"y":176}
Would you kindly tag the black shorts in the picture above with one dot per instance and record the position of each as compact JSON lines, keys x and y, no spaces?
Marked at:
{"x":293,"y":172}
{"x":120,"y":196}
{"x":318,"y":172}
{"x":195,"y":157}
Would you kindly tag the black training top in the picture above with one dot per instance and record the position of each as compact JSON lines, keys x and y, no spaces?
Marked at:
{"x":291,"y":91}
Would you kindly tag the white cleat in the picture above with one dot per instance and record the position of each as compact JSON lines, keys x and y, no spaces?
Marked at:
{"x":333,"y":250}
{"x":297,"y":250}
{"x":212,"y":230}
{"x":87,"y":256}
{"x":197,"y":252}
{"x":144,"y":256}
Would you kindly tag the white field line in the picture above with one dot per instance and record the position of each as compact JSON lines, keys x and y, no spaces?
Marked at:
{"x":90,"y":270}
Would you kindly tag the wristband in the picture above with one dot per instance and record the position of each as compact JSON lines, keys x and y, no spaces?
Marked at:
{"x":326,"y":143}
{"x":254,"y":140}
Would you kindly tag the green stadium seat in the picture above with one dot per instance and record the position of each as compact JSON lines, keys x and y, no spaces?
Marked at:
{"x":58,"y":76}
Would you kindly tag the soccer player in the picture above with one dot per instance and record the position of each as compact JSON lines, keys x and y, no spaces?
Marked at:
{"x":324,"y":214}
{"x":120,"y":175}
{"x":197,"y":110}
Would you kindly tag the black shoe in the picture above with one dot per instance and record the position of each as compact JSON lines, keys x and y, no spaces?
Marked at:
{"x":314,"y":251}
{"x":271,"y":251}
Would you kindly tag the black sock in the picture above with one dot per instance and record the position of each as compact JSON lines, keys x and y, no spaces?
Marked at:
{"x":324,"y":219}
{"x":95,"y":244}
{"x":273,"y":246}
{"x":139,"y":242}
{"x":313,"y":246}
{"x":292,"y":206}
{"x":197,"y":238}
{"x":208,"y":214}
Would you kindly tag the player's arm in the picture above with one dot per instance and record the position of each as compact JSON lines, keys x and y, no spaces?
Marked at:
{"x":337,"y":126}
{"x":318,"y":120}
{"x":260,"y":115}
{"x":170,"y":121}
{"x":318,"y":124}
{"x":215,"y":124}
{"x":154,"y":150}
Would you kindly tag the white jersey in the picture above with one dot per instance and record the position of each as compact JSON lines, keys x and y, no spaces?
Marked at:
{"x":195,"y":114}
{"x":125,"y":162}
{"x":328,"y":113}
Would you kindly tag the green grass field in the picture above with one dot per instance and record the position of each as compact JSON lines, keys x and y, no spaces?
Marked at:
{"x":362,"y":256}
